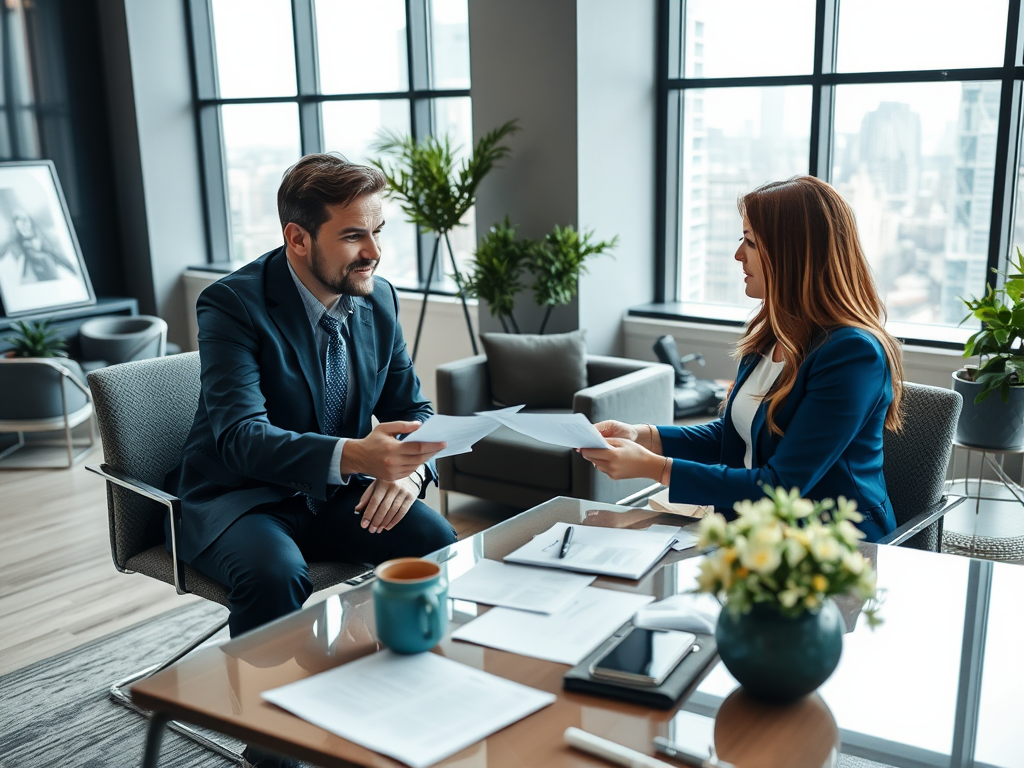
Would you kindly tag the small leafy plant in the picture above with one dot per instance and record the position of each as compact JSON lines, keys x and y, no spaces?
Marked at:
{"x":998,"y":343}
{"x":558,"y":264}
{"x":32,"y":339}
{"x":496,"y":273}
{"x":786,"y":552}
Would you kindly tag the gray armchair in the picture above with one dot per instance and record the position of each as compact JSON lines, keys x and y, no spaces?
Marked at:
{"x":514,"y":469}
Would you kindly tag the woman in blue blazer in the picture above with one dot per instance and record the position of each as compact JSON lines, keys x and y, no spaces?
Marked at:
{"x":819,"y":378}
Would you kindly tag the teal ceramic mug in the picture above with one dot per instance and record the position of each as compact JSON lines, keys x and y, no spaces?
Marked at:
{"x":410,"y":600}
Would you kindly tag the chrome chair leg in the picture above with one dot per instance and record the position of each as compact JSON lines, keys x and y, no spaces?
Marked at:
{"x":119,"y":696}
{"x":444,"y":503}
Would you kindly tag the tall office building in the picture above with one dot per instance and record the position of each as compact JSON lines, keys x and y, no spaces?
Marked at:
{"x":967,"y":235}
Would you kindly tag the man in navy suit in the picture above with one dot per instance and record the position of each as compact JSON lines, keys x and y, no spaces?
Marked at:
{"x":299,"y":349}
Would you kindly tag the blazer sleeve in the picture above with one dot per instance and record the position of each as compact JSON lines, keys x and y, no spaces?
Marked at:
{"x":699,"y":442}
{"x":847,"y":378}
{"x":246,"y":441}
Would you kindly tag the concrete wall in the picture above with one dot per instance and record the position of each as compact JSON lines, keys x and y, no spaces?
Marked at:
{"x":156,"y":157}
{"x":580,"y":77}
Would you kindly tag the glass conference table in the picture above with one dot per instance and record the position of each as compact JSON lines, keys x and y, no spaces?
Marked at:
{"x":940,"y":683}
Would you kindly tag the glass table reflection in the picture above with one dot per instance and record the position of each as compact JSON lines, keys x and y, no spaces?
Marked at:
{"x":936,"y":685}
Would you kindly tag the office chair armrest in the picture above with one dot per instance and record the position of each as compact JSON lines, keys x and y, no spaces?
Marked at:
{"x":917,"y":524}
{"x":641,"y":396}
{"x":463,"y":387}
{"x":173,"y":504}
{"x":602,"y":368}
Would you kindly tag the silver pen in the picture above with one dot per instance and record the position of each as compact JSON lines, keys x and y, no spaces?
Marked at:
{"x":673,"y":750}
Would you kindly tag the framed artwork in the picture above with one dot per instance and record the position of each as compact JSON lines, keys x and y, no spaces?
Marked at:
{"x":41,"y":264}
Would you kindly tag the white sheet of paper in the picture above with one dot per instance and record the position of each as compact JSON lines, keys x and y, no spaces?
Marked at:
{"x":620,"y":552}
{"x":684,"y":539}
{"x":460,"y":432}
{"x":518,"y":586}
{"x":571,"y":430}
{"x":566,"y":637}
{"x":418,"y":709}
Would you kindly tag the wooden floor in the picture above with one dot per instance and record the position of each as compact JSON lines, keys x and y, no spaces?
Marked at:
{"x":58,"y":585}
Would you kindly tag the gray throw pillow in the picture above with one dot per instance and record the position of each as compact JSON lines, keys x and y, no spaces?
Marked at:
{"x":540,"y":371}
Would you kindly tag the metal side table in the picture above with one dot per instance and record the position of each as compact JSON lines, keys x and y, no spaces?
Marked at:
{"x":993,"y":541}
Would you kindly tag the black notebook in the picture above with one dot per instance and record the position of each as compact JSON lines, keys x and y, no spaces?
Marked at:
{"x":682,"y":679}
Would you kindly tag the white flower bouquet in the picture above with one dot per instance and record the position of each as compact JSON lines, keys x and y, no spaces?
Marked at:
{"x":786,"y":552}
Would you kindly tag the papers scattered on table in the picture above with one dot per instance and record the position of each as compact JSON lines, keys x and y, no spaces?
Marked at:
{"x":571,"y":430}
{"x":620,"y":552}
{"x":567,"y":636}
{"x":684,"y":539}
{"x":515,"y":586}
{"x":418,"y":709}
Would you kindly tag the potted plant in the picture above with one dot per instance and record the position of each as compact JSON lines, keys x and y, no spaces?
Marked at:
{"x":34,"y":391}
{"x":496,"y":273}
{"x":985,"y":421}
{"x":435,"y":192}
{"x":558,"y":264}
{"x":776,"y":568}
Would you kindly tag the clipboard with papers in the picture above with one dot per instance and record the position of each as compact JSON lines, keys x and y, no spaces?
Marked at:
{"x":621,"y":552}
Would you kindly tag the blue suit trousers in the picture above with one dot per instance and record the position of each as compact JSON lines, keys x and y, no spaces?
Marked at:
{"x":262,"y":557}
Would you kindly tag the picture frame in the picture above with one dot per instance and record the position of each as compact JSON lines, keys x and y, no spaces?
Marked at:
{"x":41,"y":264}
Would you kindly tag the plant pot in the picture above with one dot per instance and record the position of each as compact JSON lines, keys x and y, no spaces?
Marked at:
{"x":991,"y":423}
{"x":780,"y":659}
{"x":32,"y":392}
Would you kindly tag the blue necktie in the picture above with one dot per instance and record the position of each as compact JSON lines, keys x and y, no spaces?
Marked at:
{"x":335,"y":384}
{"x":335,"y":375}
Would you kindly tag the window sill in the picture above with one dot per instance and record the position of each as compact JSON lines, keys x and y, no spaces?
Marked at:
{"x":913,"y":335}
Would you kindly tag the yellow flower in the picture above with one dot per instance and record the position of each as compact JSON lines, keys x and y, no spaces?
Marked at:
{"x":849,"y":533}
{"x":824,"y":547}
{"x":819,"y":583}
{"x":795,"y":551}
{"x":761,"y":558}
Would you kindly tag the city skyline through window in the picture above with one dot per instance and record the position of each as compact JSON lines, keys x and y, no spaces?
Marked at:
{"x":914,"y":152}
{"x":278,"y":79}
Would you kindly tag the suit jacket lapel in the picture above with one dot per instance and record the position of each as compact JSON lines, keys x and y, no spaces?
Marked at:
{"x":364,"y":355}
{"x":285,"y":307}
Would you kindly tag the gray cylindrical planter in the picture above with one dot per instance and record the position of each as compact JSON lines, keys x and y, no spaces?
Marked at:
{"x":991,"y":423}
{"x":32,"y":392}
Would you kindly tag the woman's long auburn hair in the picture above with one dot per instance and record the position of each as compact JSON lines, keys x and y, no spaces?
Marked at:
{"x":816,"y":279}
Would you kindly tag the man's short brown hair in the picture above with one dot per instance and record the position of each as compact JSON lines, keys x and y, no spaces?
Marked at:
{"x":317,"y":181}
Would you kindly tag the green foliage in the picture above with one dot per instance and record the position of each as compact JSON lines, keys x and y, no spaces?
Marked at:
{"x":433,"y":190}
{"x":998,"y":343}
{"x":36,"y":340}
{"x":496,"y":273}
{"x":557,"y":265}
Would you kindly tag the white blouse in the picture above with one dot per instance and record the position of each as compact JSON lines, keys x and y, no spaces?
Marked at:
{"x":748,"y":399}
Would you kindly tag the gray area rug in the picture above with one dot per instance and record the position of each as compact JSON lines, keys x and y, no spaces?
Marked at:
{"x":56,"y":712}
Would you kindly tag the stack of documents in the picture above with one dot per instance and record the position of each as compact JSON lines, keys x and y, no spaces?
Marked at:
{"x":418,"y":709}
{"x":621,"y":552}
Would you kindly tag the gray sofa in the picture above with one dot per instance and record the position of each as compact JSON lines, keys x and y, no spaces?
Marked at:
{"x":513,"y":469}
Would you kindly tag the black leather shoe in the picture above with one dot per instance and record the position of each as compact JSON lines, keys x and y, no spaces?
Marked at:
{"x":254,"y":757}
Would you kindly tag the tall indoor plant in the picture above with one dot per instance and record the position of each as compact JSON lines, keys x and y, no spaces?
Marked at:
{"x":776,"y":568}
{"x":558,"y":264}
{"x":995,"y":422}
{"x":497,"y":271}
{"x":435,"y":191}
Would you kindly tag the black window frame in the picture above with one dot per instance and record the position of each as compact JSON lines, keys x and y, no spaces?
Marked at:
{"x":207,"y":103}
{"x":823,"y":81}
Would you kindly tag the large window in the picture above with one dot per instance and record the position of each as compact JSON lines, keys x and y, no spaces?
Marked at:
{"x":276,"y":79}
{"x":910,"y":109}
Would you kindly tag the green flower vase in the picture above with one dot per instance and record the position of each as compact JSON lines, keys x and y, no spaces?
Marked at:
{"x":780,"y":659}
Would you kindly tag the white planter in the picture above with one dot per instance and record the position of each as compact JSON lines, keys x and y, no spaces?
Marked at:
{"x":991,"y":423}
